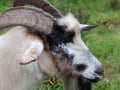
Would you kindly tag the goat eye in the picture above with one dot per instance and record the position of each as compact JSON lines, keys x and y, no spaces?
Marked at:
{"x":69,"y":34}
{"x":80,"y":67}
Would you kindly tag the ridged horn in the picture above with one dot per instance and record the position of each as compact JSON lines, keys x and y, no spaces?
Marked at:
{"x":43,"y":4}
{"x":23,"y":16}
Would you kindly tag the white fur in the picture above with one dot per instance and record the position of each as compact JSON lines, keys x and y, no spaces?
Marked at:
{"x":14,"y":76}
{"x":68,"y":21}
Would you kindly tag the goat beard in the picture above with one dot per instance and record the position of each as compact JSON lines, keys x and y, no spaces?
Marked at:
{"x":76,"y":83}
{"x":83,"y":84}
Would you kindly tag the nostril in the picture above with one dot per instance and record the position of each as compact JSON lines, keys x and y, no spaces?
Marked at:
{"x":80,"y":67}
{"x":100,"y":71}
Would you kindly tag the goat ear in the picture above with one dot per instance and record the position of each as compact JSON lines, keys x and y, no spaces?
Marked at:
{"x":32,"y":53}
{"x":84,"y":27}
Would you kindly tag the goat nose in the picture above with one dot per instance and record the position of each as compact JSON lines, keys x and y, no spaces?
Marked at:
{"x":99,"y":71}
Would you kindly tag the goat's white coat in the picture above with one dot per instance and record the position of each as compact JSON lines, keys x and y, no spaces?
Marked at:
{"x":14,"y":76}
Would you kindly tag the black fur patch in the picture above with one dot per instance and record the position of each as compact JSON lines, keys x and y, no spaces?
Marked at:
{"x":59,"y":36}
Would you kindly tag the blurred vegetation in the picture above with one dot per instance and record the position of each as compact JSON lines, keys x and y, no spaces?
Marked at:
{"x":103,"y":41}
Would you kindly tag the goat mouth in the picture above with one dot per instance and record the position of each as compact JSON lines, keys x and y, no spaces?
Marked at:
{"x":93,"y":80}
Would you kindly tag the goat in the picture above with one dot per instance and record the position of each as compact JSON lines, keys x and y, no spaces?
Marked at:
{"x":45,"y":43}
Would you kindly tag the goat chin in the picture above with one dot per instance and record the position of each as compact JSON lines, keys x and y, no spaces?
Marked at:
{"x":76,"y":83}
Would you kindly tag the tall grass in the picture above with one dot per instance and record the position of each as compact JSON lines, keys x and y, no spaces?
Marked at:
{"x":103,"y":41}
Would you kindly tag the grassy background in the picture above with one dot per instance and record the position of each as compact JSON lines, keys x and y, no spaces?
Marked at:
{"x":104,"y":41}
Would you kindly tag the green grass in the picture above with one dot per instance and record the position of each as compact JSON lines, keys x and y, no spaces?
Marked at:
{"x":103,"y":41}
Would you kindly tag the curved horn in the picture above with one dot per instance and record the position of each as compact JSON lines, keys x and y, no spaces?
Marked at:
{"x":43,"y":4}
{"x":29,"y":17}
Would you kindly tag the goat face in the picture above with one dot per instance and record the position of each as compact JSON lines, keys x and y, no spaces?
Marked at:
{"x":65,"y":41}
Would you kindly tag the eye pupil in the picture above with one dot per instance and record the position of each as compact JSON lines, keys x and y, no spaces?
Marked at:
{"x":80,"y":67}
